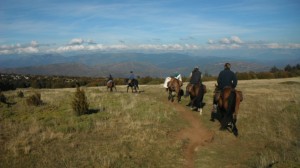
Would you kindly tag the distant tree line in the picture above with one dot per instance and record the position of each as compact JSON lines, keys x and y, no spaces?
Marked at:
{"x":13,"y":81}
{"x":287,"y":72}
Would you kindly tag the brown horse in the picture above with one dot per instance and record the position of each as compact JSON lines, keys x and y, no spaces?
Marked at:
{"x":228,"y":105}
{"x":174,"y":85}
{"x":197,"y":92}
{"x":110,"y":85}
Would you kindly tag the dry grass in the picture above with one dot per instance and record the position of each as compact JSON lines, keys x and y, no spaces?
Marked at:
{"x":268,"y":123}
{"x":135,"y":130}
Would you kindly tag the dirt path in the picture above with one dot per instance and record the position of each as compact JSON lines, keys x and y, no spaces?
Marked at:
{"x":196,"y":134}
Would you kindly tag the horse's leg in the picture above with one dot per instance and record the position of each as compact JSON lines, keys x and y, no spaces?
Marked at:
{"x":234,"y":120}
{"x":234,"y":128}
{"x":127,"y":88}
{"x":169,"y":94}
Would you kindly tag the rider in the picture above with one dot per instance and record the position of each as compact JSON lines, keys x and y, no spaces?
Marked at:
{"x":109,"y":78}
{"x":132,"y":80}
{"x":131,"y":76}
{"x":175,"y":75}
{"x":195,"y":78}
{"x":226,"y":78}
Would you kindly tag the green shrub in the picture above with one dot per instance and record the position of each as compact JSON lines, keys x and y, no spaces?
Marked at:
{"x":2,"y":98}
{"x":79,"y":103}
{"x":34,"y":100}
{"x":20,"y":94}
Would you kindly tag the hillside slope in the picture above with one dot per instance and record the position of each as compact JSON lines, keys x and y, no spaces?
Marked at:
{"x":145,"y":130}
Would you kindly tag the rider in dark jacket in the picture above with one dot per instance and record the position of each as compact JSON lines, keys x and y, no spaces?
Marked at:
{"x":196,"y":76}
{"x":226,"y":78}
{"x":195,"y":79}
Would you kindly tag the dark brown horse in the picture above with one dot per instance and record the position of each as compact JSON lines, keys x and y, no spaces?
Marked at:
{"x":197,"y":92}
{"x":134,"y":84}
{"x":174,"y":86}
{"x":228,"y":106}
{"x":110,"y":85}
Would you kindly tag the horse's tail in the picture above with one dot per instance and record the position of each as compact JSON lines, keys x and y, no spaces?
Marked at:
{"x":230,"y":109}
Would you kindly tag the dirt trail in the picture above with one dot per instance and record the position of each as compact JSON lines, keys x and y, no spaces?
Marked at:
{"x":196,"y":134}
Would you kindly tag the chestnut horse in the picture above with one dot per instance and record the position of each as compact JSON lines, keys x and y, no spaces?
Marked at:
{"x":174,"y":85}
{"x":228,"y":105}
{"x":110,"y":85}
{"x":197,"y":92}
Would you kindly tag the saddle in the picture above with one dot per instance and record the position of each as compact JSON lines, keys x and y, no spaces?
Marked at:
{"x":190,"y":87}
{"x":110,"y":81}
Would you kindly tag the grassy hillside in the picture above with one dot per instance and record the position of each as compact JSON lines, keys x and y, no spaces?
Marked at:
{"x":138,"y":130}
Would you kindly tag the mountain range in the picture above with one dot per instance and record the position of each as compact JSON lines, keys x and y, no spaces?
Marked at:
{"x":143,"y":64}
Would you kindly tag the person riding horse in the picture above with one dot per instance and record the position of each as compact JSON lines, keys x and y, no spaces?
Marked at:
{"x":110,"y":83}
{"x":132,"y":82}
{"x":109,"y":78}
{"x":195,"y":78}
{"x":168,"y":79}
{"x":195,"y":82}
{"x":226,"y":78}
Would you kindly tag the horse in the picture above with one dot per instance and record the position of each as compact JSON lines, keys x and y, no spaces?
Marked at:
{"x":110,"y":85}
{"x":228,"y":105}
{"x":133,"y":83}
{"x":174,"y":85}
{"x":197,"y":92}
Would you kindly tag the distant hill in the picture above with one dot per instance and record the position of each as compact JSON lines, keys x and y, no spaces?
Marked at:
{"x":120,"y":64}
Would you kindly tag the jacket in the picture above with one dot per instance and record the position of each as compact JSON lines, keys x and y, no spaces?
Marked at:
{"x":227,"y":78}
{"x":196,"y":77}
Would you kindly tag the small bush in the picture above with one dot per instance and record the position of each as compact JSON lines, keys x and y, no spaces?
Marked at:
{"x":20,"y":94}
{"x":79,"y":103}
{"x":34,"y":100}
{"x":2,"y":98}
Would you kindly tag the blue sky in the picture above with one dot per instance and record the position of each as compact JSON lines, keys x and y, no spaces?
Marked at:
{"x":40,"y":26}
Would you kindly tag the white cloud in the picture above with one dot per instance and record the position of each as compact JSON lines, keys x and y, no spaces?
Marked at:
{"x":236,"y":39}
{"x":70,"y":48}
{"x":231,"y":40}
{"x":76,"y":41}
{"x":79,"y":44}
{"x":225,"y":41}
{"x":27,"y":50}
{"x":18,"y":48}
